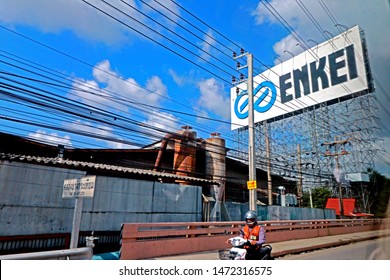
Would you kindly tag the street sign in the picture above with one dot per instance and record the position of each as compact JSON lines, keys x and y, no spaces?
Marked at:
{"x":83,"y":187}
{"x":251,"y":185}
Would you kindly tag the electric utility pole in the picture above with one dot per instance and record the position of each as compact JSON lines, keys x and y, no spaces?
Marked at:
{"x":252,"y":185}
{"x":336,"y":154}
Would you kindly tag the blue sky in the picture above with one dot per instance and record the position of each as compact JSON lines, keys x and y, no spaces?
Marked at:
{"x":160,"y":66}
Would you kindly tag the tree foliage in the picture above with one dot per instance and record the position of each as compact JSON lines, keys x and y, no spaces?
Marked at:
{"x":379,"y":194}
{"x":319,"y":196}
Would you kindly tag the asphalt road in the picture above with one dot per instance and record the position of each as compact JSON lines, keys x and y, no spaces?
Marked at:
{"x":378,"y":249}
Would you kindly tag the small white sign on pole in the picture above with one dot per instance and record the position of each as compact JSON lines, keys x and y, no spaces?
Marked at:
{"x":83,"y":187}
{"x":78,"y":188}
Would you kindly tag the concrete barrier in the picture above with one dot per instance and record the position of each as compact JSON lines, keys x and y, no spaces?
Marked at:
{"x":149,"y":240}
{"x":84,"y":253}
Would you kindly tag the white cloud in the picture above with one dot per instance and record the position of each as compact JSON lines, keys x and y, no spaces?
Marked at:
{"x":286,"y":45}
{"x":60,"y":15}
{"x":184,"y":79}
{"x":41,"y":135}
{"x":207,"y":44}
{"x":108,"y":87}
{"x":373,"y":18}
{"x":164,"y":123}
{"x":179,"y":80}
{"x":102,"y":132}
{"x":56,"y":16}
{"x":155,"y":85}
{"x":213,"y":98}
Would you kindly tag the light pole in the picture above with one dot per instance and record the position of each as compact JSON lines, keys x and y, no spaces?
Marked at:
{"x":252,"y":185}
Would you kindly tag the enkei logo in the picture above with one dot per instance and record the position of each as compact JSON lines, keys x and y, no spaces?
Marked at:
{"x":241,"y":108}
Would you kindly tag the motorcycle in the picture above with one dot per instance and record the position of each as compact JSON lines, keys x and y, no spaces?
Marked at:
{"x":238,"y":252}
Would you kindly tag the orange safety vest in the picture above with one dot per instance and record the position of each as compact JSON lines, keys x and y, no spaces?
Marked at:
{"x":251,"y":233}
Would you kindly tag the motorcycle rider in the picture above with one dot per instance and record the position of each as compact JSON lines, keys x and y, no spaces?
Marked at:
{"x":255,"y":235}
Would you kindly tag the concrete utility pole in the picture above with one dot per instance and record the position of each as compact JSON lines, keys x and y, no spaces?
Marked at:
{"x":336,"y":154}
{"x":252,"y":185}
{"x":251,"y":131}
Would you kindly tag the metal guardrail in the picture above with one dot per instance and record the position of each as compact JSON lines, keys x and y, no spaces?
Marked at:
{"x":163,"y":239}
{"x":107,"y":240}
{"x":84,"y":253}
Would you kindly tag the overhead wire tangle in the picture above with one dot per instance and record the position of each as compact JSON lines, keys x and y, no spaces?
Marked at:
{"x":103,"y":1}
{"x":127,"y":142}
{"x":207,"y":34}
{"x":62,"y":104}
{"x":155,"y":41}
{"x":149,"y":105}
{"x":39,"y":81}
{"x":98,"y":93}
{"x":296,"y":35}
{"x":171,"y":31}
{"x":70,"y":130}
{"x":77,"y":132}
{"x":12,"y":130}
{"x":62,"y":119}
{"x":197,"y":18}
{"x":63,"y":53}
{"x":316,"y":23}
{"x":186,"y":29}
{"x":284,"y":167}
{"x":90,"y":65}
{"x":159,"y":43}
{"x":337,"y":25}
{"x":89,"y":117}
{"x":134,"y":104}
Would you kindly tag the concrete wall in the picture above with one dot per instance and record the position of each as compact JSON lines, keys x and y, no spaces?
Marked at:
{"x":31,"y":201}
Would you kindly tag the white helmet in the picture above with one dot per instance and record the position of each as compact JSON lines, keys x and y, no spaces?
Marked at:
{"x":250,"y":218}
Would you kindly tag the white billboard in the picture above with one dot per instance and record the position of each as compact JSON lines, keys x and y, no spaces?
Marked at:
{"x":328,"y":71}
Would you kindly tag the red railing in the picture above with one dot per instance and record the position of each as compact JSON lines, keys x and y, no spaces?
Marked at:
{"x":149,"y":240}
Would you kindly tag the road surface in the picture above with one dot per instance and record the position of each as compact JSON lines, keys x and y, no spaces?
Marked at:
{"x":378,"y":249}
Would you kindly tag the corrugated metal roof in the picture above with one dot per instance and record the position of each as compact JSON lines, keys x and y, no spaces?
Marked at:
{"x":98,"y":166}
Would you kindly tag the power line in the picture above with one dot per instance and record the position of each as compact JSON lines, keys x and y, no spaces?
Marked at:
{"x":160,"y":44}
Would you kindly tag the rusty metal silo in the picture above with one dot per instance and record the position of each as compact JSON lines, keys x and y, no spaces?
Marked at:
{"x":185,"y":152}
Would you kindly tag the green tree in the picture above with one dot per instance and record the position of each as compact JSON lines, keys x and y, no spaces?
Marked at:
{"x":379,"y":193}
{"x":319,"y":196}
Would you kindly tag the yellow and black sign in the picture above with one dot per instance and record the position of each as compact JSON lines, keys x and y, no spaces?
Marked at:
{"x":251,"y":185}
